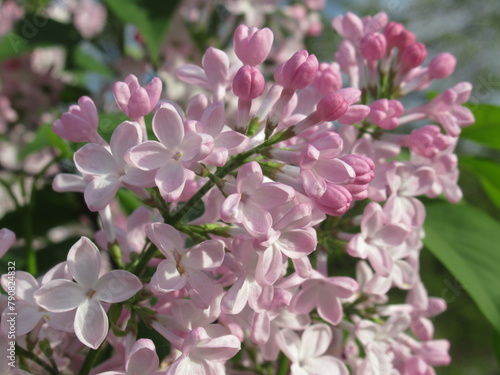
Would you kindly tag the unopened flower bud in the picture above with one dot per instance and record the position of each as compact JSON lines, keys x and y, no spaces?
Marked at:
{"x":252,"y":45}
{"x":392,"y":32}
{"x":248,"y":83}
{"x":384,"y":113}
{"x":298,"y":72}
{"x":428,"y":141}
{"x":413,"y":56}
{"x":442,"y":65}
{"x":136,"y":101}
{"x":373,"y":46}
{"x":331,"y":107}
{"x":79,"y":124}
{"x":328,"y":79}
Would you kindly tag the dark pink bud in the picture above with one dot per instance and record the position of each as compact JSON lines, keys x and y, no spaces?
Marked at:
{"x":328,"y":79}
{"x":298,"y":72}
{"x":335,"y":201}
{"x":442,"y":65}
{"x":252,"y":45}
{"x":392,"y":32}
{"x":248,"y":83}
{"x":413,"y":56}
{"x":405,"y":39}
{"x":428,"y":141}
{"x":373,"y":46}
{"x":331,"y":107}
{"x":363,"y":167}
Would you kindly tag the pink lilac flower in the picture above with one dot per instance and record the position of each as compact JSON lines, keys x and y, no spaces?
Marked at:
{"x":213,"y":75}
{"x":376,"y":237}
{"x":29,"y":314}
{"x":105,"y":170}
{"x":291,"y":238}
{"x":204,"y":352}
{"x":185,"y":267}
{"x":141,"y":359}
{"x":89,"y":18}
{"x":253,"y":197}
{"x":324,"y":294}
{"x":88,"y":292}
{"x":175,"y":152}
{"x":307,"y":353}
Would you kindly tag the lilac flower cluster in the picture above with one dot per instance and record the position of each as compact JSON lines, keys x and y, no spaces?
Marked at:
{"x":292,"y":173}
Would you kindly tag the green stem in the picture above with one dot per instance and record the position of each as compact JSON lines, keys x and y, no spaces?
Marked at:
{"x":222,"y":172}
{"x":284,"y":365}
{"x":140,"y":266}
{"x":31,"y":262}
{"x":6,"y":185}
{"x":89,"y":361}
{"x":31,"y":356}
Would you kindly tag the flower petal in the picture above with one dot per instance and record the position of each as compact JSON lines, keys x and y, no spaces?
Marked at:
{"x":166,"y":238}
{"x":93,"y":159}
{"x":167,"y":278}
{"x":142,"y":358}
{"x":84,"y":262}
{"x":100,"y":192}
{"x":127,"y":135}
{"x":60,"y":295}
{"x":168,"y":126}
{"x":171,"y":179}
{"x":91,"y":323}
{"x":117,"y":286}
{"x":149,"y":155}
{"x":206,"y":256}
{"x":320,"y":335}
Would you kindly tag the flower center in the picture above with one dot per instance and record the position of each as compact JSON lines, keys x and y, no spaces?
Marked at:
{"x":177,"y":156}
{"x":90,"y":293}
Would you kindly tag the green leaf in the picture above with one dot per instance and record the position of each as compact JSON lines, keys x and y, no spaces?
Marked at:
{"x":466,"y":240}
{"x":129,"y":202}
{"x":45,"y":137}
{"x":151,"y":17}
{"x":36,"y":30}
{"x":496,"y":345}
{"x":486,"y":129}
{"x":488,"y":173}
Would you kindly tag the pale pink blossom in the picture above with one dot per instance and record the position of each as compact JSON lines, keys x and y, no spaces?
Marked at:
{"x":175,"y":152}
{"x":324,"y":294}
{"x":88,"y":292}
{"x":141,"y":359}
{"x":385,"y":113}
{"x":105,"y":170}
{"x":185,"y":267}
{"x":253,"y":197}
{"x":213,"y":75}
{"x":307,"y":353}
{"x":376,"y":237}
{"x":204,"y":352}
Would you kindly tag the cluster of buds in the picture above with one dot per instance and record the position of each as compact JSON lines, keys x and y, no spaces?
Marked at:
{"x":278,"y":168}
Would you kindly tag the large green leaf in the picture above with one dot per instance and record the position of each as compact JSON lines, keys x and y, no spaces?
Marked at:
{"x":486,"y":129}
{"x":488,"y":173}
{"x":467,"y":242}
{"x":36,"y":30}
{"x":151,"y":17}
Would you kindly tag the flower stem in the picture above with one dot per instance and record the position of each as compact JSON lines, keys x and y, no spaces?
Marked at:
{"x":31,"y":356}
{"x":222,"y":172}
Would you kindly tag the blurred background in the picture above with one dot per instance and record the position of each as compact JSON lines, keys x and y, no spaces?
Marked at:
{"x":53,"y":52}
